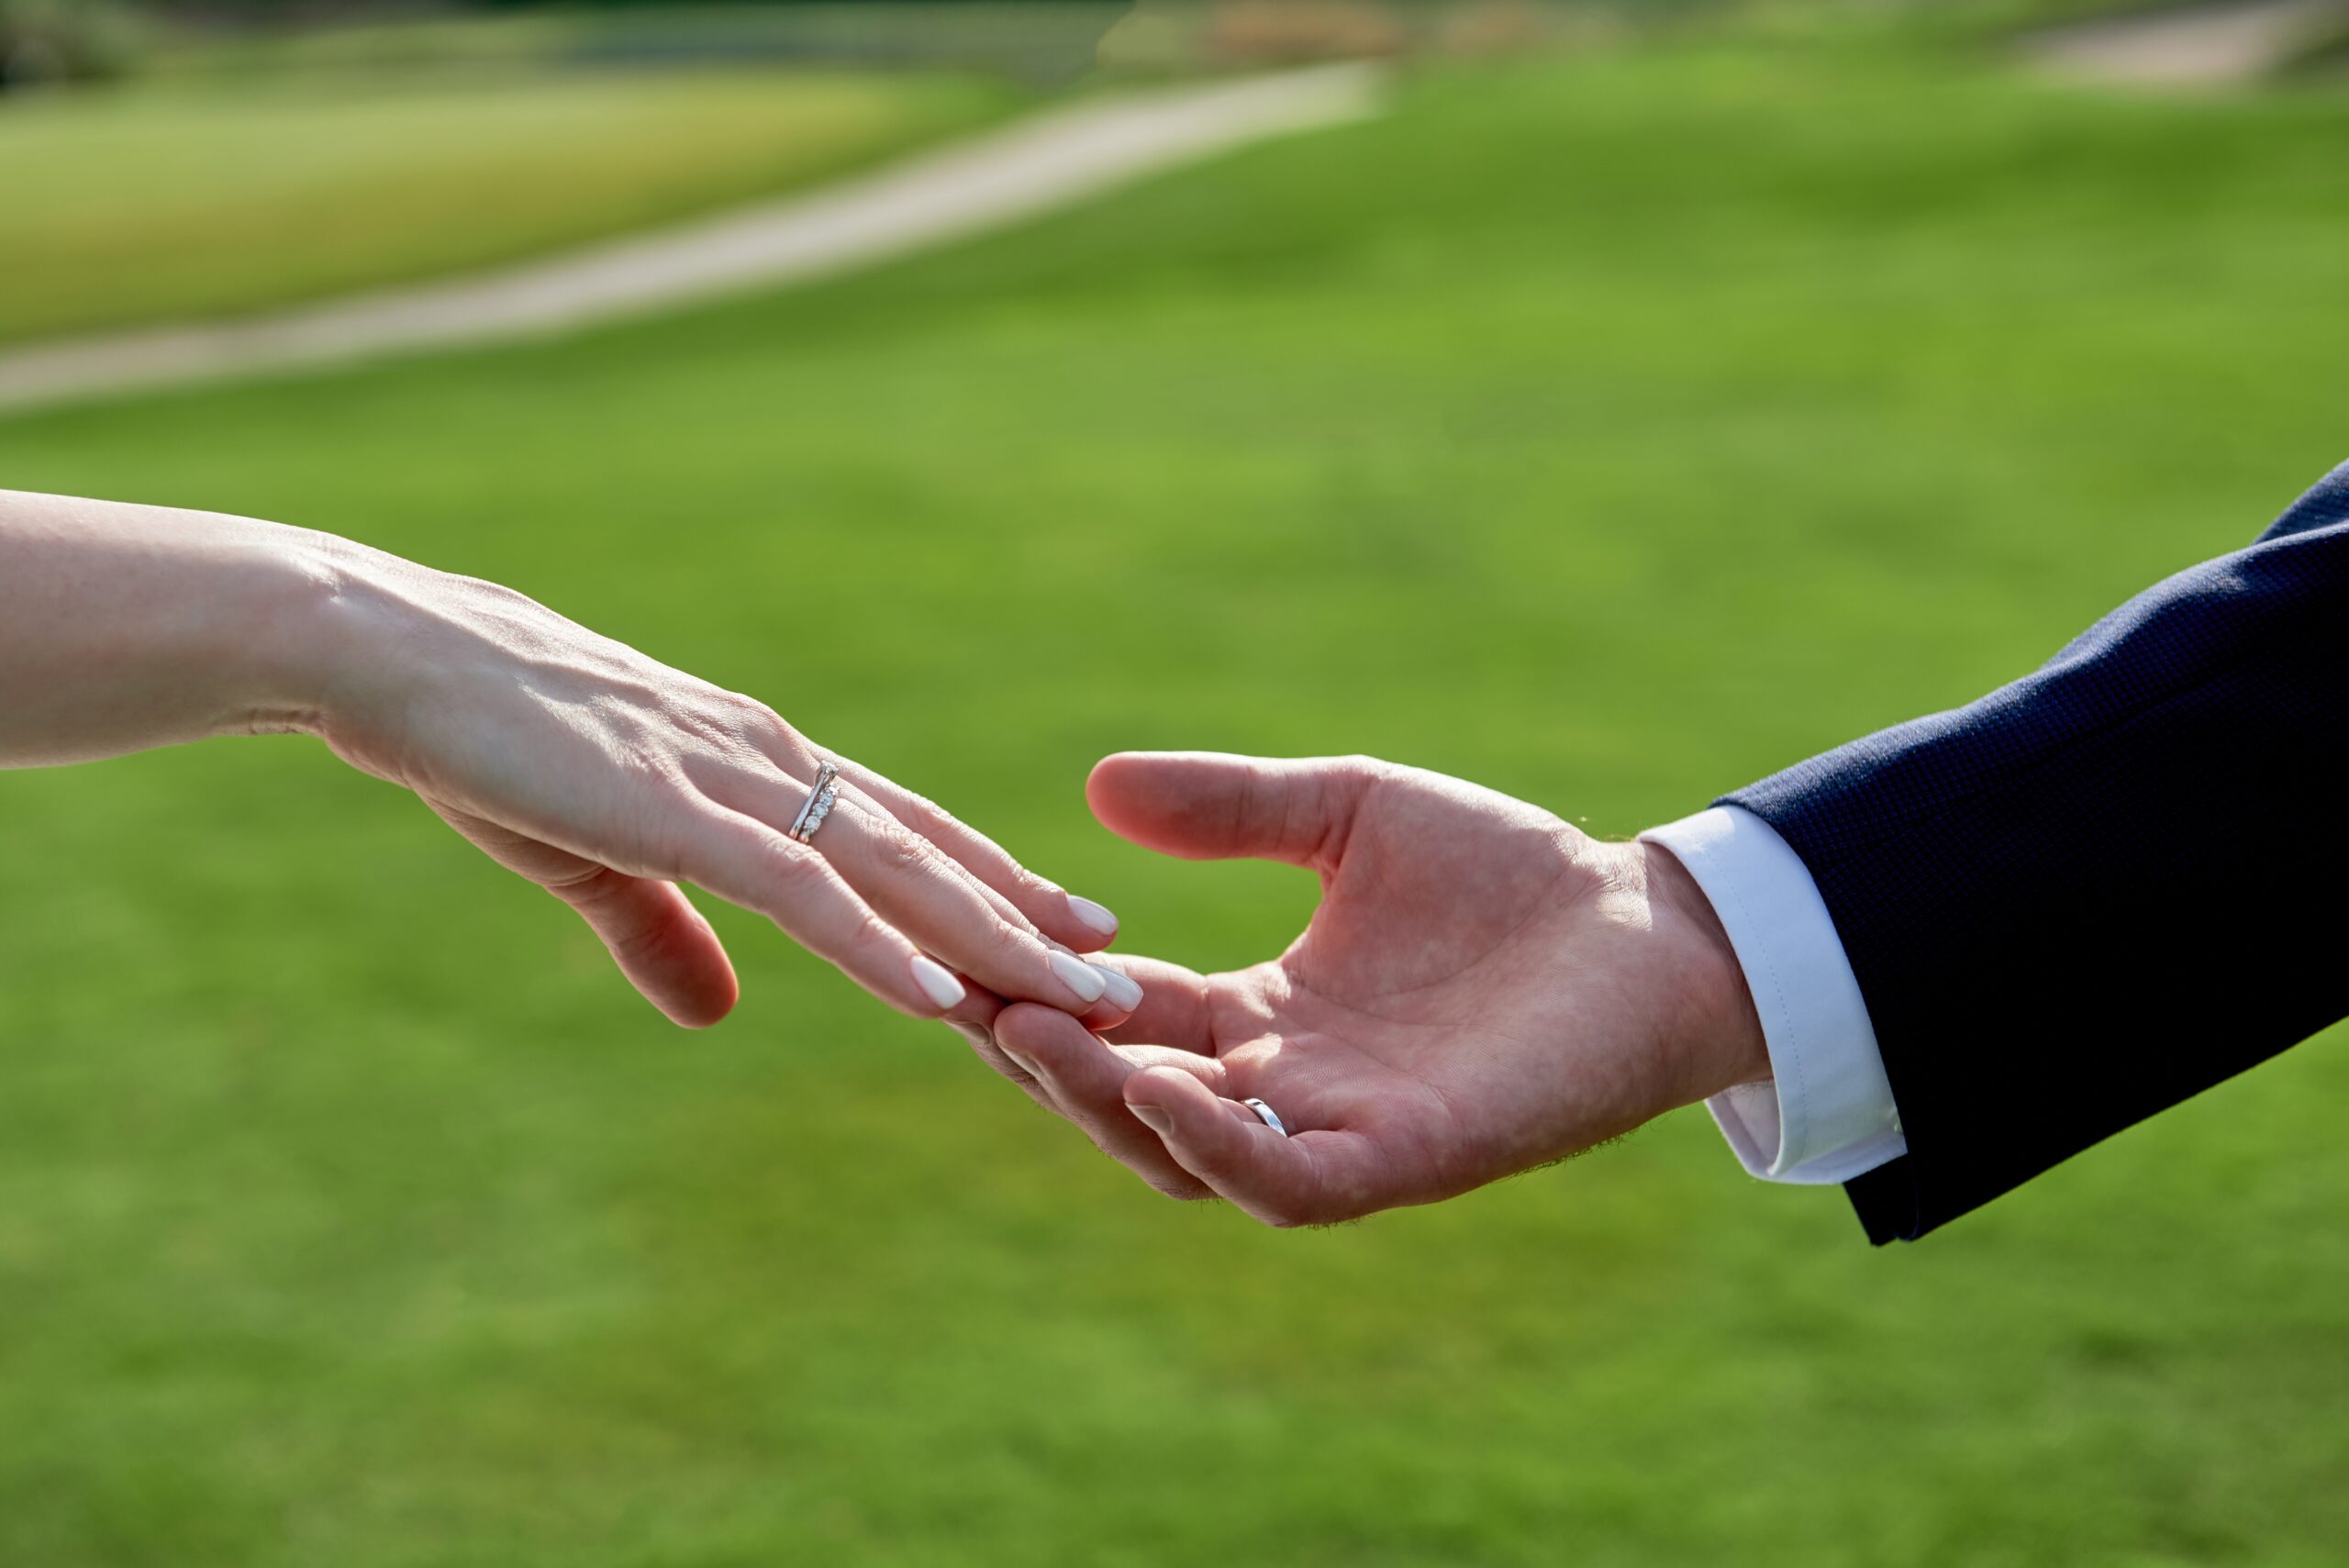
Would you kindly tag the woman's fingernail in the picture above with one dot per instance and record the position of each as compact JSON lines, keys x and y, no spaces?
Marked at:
{"x":1093,"y":915}
{"x":1150,"y":1116}
{"x":1079,"y":976}
{"x":1119,"y":991}
{"x":936,"y":981}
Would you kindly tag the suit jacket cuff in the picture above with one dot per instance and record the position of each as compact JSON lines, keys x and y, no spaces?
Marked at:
{"x":1826,"y":1113}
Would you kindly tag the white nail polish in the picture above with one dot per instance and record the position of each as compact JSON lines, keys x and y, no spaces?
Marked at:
{"x":1093,"y":915}
{"x":1121,"y":991}
{"x":936,"y":981}
{"x":1079,"y":976}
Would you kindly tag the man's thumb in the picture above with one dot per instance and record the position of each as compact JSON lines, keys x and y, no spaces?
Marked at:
{"x":1206,"y":805}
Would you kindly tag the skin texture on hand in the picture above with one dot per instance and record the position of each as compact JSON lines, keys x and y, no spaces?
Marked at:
{"x":594,"y":771}
{"x":1483,"y":989}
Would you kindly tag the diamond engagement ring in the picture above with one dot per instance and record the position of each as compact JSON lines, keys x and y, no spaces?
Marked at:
{"x":1265,"y":1114}
{"x":817,"y":806}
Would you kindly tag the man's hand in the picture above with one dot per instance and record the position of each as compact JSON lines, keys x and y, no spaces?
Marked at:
{"x":1483,"y":989}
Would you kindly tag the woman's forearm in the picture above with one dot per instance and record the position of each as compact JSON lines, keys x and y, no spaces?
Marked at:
{"x":124,"y":626}
{"x":593,"y":769}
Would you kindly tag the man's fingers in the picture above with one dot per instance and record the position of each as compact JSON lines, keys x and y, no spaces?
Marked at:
{"x":1084,"y":1079}
{"x":976,"y":1011}
{"x":661,"y":943}
{"x":1311,"y":1178}
{"x":1172,"y":1010}
{"x":973,"y":1018}
{"x":1212,"y":806}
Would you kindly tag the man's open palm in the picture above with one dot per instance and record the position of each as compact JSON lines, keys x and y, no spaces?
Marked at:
{"x":1483,"y":988}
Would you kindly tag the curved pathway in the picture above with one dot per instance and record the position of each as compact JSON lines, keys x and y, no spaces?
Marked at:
{"x":1053,"y":159}
{"x":2195,"y":45}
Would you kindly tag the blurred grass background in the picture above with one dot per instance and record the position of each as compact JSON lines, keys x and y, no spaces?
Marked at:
{"x":1610,"y":427}
{"x":305,"y":184}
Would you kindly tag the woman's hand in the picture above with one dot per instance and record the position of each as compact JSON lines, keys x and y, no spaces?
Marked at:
{"x":605,"y":777}
{"x":592,"y":769}
{"x":1483,"y":989}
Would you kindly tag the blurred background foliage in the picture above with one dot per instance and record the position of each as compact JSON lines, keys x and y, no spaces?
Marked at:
{"x":1641,"y":403}
{"x":1041,"y":41}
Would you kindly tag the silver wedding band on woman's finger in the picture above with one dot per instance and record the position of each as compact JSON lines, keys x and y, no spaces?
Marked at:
{"x":819,"y":804}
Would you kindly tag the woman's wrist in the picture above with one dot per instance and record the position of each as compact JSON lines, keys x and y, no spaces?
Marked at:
{"x":294,"y":640}
{"x":124,"y":628}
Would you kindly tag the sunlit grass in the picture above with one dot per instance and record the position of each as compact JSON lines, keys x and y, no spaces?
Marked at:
{"x":201,"y":198}
{"x":1610,"y":433}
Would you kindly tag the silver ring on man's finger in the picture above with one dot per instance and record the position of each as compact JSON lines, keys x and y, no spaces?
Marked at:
{"x":1265,"y":1114}
{"x":817,"y":806}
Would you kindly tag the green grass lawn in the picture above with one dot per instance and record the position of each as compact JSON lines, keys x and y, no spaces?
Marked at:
{"x":207,"y":197}
{"x":1609,"y":431}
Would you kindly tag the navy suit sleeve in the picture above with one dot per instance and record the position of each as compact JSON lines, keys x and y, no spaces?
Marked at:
{"x":2106,"y":887}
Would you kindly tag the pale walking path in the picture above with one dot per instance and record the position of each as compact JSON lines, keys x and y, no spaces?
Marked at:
{"x":1054,"y":160}
{"x":2192,"y":46}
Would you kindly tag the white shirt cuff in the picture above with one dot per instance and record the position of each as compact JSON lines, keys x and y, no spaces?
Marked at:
{"x":1825,"y":1114}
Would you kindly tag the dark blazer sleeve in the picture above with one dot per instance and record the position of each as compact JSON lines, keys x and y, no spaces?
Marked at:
{"x":2105,"y":887}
